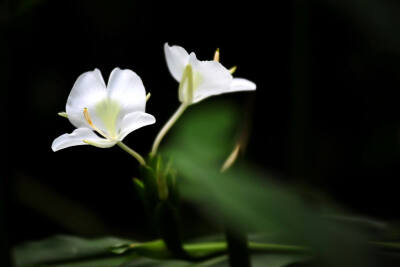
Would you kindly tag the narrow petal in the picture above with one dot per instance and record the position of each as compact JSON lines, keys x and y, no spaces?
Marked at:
{"x":88,"y":90}
{"x":240,"y":84}
{"x":77,"y":138}
{"x":177,"y":58}
{"x":134,"y":121}
{"x":209,"y":78}
{"x":126,"y":88}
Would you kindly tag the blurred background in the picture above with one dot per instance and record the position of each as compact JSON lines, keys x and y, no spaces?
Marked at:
{"x":325,"y":113}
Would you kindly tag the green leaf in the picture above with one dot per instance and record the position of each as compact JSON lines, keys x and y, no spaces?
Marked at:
{"x":221,"y":261}
{"x":106,"y":262}
{"x":206,"y":132}
{"x":63,"y":251}
{"x":251,"y":198}
{"x":59,"y":249}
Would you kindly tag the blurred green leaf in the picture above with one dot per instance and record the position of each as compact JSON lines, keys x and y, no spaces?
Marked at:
{"x":221,"y":261}
{"x":63,"y":251}
{"x":205,"y":132}
{"x":59,"y":249}
{"x":249,"y":197}
{"x":107,"y":262}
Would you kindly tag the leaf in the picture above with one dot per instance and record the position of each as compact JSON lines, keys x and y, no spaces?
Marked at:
{"x":207,"y":131}
{"x":63,"y":248}
{"x":250,"y":198}
{"x":221,"y":261}
{"x":106,"y":262}
{"x":63,"y":251}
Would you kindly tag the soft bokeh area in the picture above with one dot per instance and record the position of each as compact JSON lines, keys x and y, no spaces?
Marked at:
{"x":322,"y":128}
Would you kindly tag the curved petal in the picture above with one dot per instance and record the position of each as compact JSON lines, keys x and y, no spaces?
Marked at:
{"x":88,"y":90}
{"x":177,"y":58}
{"x":134,"y":121}
{"x":126,"y":88}
{"x":80,"y":136}
{"x":240,"y":84}
{"x":209,"y":78}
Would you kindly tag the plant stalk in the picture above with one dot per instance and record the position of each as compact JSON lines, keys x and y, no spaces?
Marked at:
{"x":132,"y":152}
{"x":166,"y":127}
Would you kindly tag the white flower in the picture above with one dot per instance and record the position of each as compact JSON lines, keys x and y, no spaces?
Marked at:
{"x":201,"y":79}
{"x":111,"y":111}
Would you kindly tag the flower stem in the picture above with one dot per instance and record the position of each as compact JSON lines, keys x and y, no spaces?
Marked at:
{"x":238,"y":247}
{"x":166,"y":127}
{"x":202,"y":251}
{"x":132,"y":152}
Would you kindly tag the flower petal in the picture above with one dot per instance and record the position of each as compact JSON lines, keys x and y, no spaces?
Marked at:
{"x":77,"y":137}
{"x":134,"y":121}
{"x":177,"y":58}
{"x":240,"y":84}
{"x":88,"y":90}
{"x":126,"y":88}
{"x":209,"y":78}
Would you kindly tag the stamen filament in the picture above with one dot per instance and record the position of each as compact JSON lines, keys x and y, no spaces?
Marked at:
{"x":90,"y":122}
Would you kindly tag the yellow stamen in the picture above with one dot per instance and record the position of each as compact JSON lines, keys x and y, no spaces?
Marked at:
{"x":233,"y":69}
{"x":87,"y":117}
{"x":148,"y":97}
{"x":89,"y":120}
{"x":216,"y":55}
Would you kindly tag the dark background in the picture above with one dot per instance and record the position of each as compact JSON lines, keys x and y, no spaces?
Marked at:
{"x":325,"y":112}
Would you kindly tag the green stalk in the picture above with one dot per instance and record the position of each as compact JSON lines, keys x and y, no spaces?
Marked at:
{"x":186,"y":97}
{"x":238,"y":247}
{"x":132,"y":152}
{"x":201,"y":251}
{"x":167,"y":127}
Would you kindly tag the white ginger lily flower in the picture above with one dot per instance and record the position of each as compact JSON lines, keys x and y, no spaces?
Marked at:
{"x":197,"y":81}
{"x":201,"y":79}
{"x":111,"y":111}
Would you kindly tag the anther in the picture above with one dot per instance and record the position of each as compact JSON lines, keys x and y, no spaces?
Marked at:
{"x":216,"y":55}
{"x":87,"y":117}
{"x":232,"y":70}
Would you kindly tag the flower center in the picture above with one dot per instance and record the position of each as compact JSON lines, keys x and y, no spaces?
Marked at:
{"x":108,"y":111}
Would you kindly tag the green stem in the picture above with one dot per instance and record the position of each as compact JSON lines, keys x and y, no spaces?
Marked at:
{"x":238,"y":247}
{"x":167,"y":126}
{"x":132,"y":152}
{"x":202,"y":251}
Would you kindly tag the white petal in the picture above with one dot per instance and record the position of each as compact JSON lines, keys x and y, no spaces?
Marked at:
{"x":77,"y":137}
{"x":134,"y":121}
{"x":209,"y":78}
{"x":240,"y":84}
{"x":126,"y":88}
{"x":88,"y":90}
{"x":177,"y":58}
